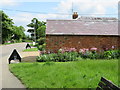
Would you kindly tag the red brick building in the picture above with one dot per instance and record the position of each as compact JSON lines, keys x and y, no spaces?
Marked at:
{"x":82,"y":33}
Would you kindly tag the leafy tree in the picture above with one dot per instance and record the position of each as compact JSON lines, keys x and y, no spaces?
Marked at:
{"x":7,"y":27}
{"x":41,"y":31}
{"x":38,"y":27}
{"x":9,"y":31}
{"x":18,"y":33}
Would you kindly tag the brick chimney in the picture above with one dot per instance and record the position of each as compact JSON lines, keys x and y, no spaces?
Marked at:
{"x":75,"y":15}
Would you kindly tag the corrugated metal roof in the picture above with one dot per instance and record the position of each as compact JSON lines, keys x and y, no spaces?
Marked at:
{"x":79,"y":27}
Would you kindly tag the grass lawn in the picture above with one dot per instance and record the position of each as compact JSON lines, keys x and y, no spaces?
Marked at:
{"x":78,"y":74}
{"x":31,"y":49}
{"x":7,"y":43}
{"x":11,"y":43}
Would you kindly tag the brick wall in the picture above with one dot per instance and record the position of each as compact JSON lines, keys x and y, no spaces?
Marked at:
{"x":55,"y":42}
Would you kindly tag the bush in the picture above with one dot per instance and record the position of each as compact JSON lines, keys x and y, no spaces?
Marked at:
{"x":63,"y":56}
{"x":112,"y":54}
{"x":41,"y":41}
{"x":47,"y":57}
{"x":67,"y":56}
{"x":92,"y":55}
{"x":58,"y":57}
{"x":36,"y":45}
{"x":41,"y":47}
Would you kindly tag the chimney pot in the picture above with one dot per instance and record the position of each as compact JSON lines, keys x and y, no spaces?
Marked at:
{"x":75,"y":15}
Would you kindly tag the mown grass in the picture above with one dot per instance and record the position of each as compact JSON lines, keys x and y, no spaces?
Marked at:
{"x":30,"y":49}
{"x":11,"y":43}
{"x":7,"y":43}
{"x":79,"y":74}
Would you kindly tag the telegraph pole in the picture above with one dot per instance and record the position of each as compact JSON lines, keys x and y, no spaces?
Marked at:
{"x":72,"y":8}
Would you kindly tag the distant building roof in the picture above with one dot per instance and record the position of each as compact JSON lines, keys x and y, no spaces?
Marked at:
{"x":82,"y":27}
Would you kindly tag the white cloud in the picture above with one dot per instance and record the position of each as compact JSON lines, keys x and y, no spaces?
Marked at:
{"x":23,"y":19}
{"x":8,"y":2}
{"x":87,"y":6}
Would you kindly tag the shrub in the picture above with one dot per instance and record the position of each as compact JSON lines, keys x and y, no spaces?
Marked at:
{"x":89,"y":53}
{"x":58,"y":57}
{"x":46,"y":57}
{"x":67,"y":54}
{"x":36,"y":44}
{"x":112,"y":54}
{"x":41,"y":41}
{"x":41,"y":47}
{"x":84,"y":54}
{"x":93,"y":50}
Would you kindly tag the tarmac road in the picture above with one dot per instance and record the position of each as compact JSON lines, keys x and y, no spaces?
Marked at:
{"x":8,"y":80}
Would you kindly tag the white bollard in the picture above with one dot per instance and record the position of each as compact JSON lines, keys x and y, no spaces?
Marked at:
{"x":33,"y":43}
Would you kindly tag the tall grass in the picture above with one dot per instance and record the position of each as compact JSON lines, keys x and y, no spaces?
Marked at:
{"x":79,"y":74}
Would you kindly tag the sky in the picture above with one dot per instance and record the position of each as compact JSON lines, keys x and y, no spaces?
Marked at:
{"x":22,"y":11}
